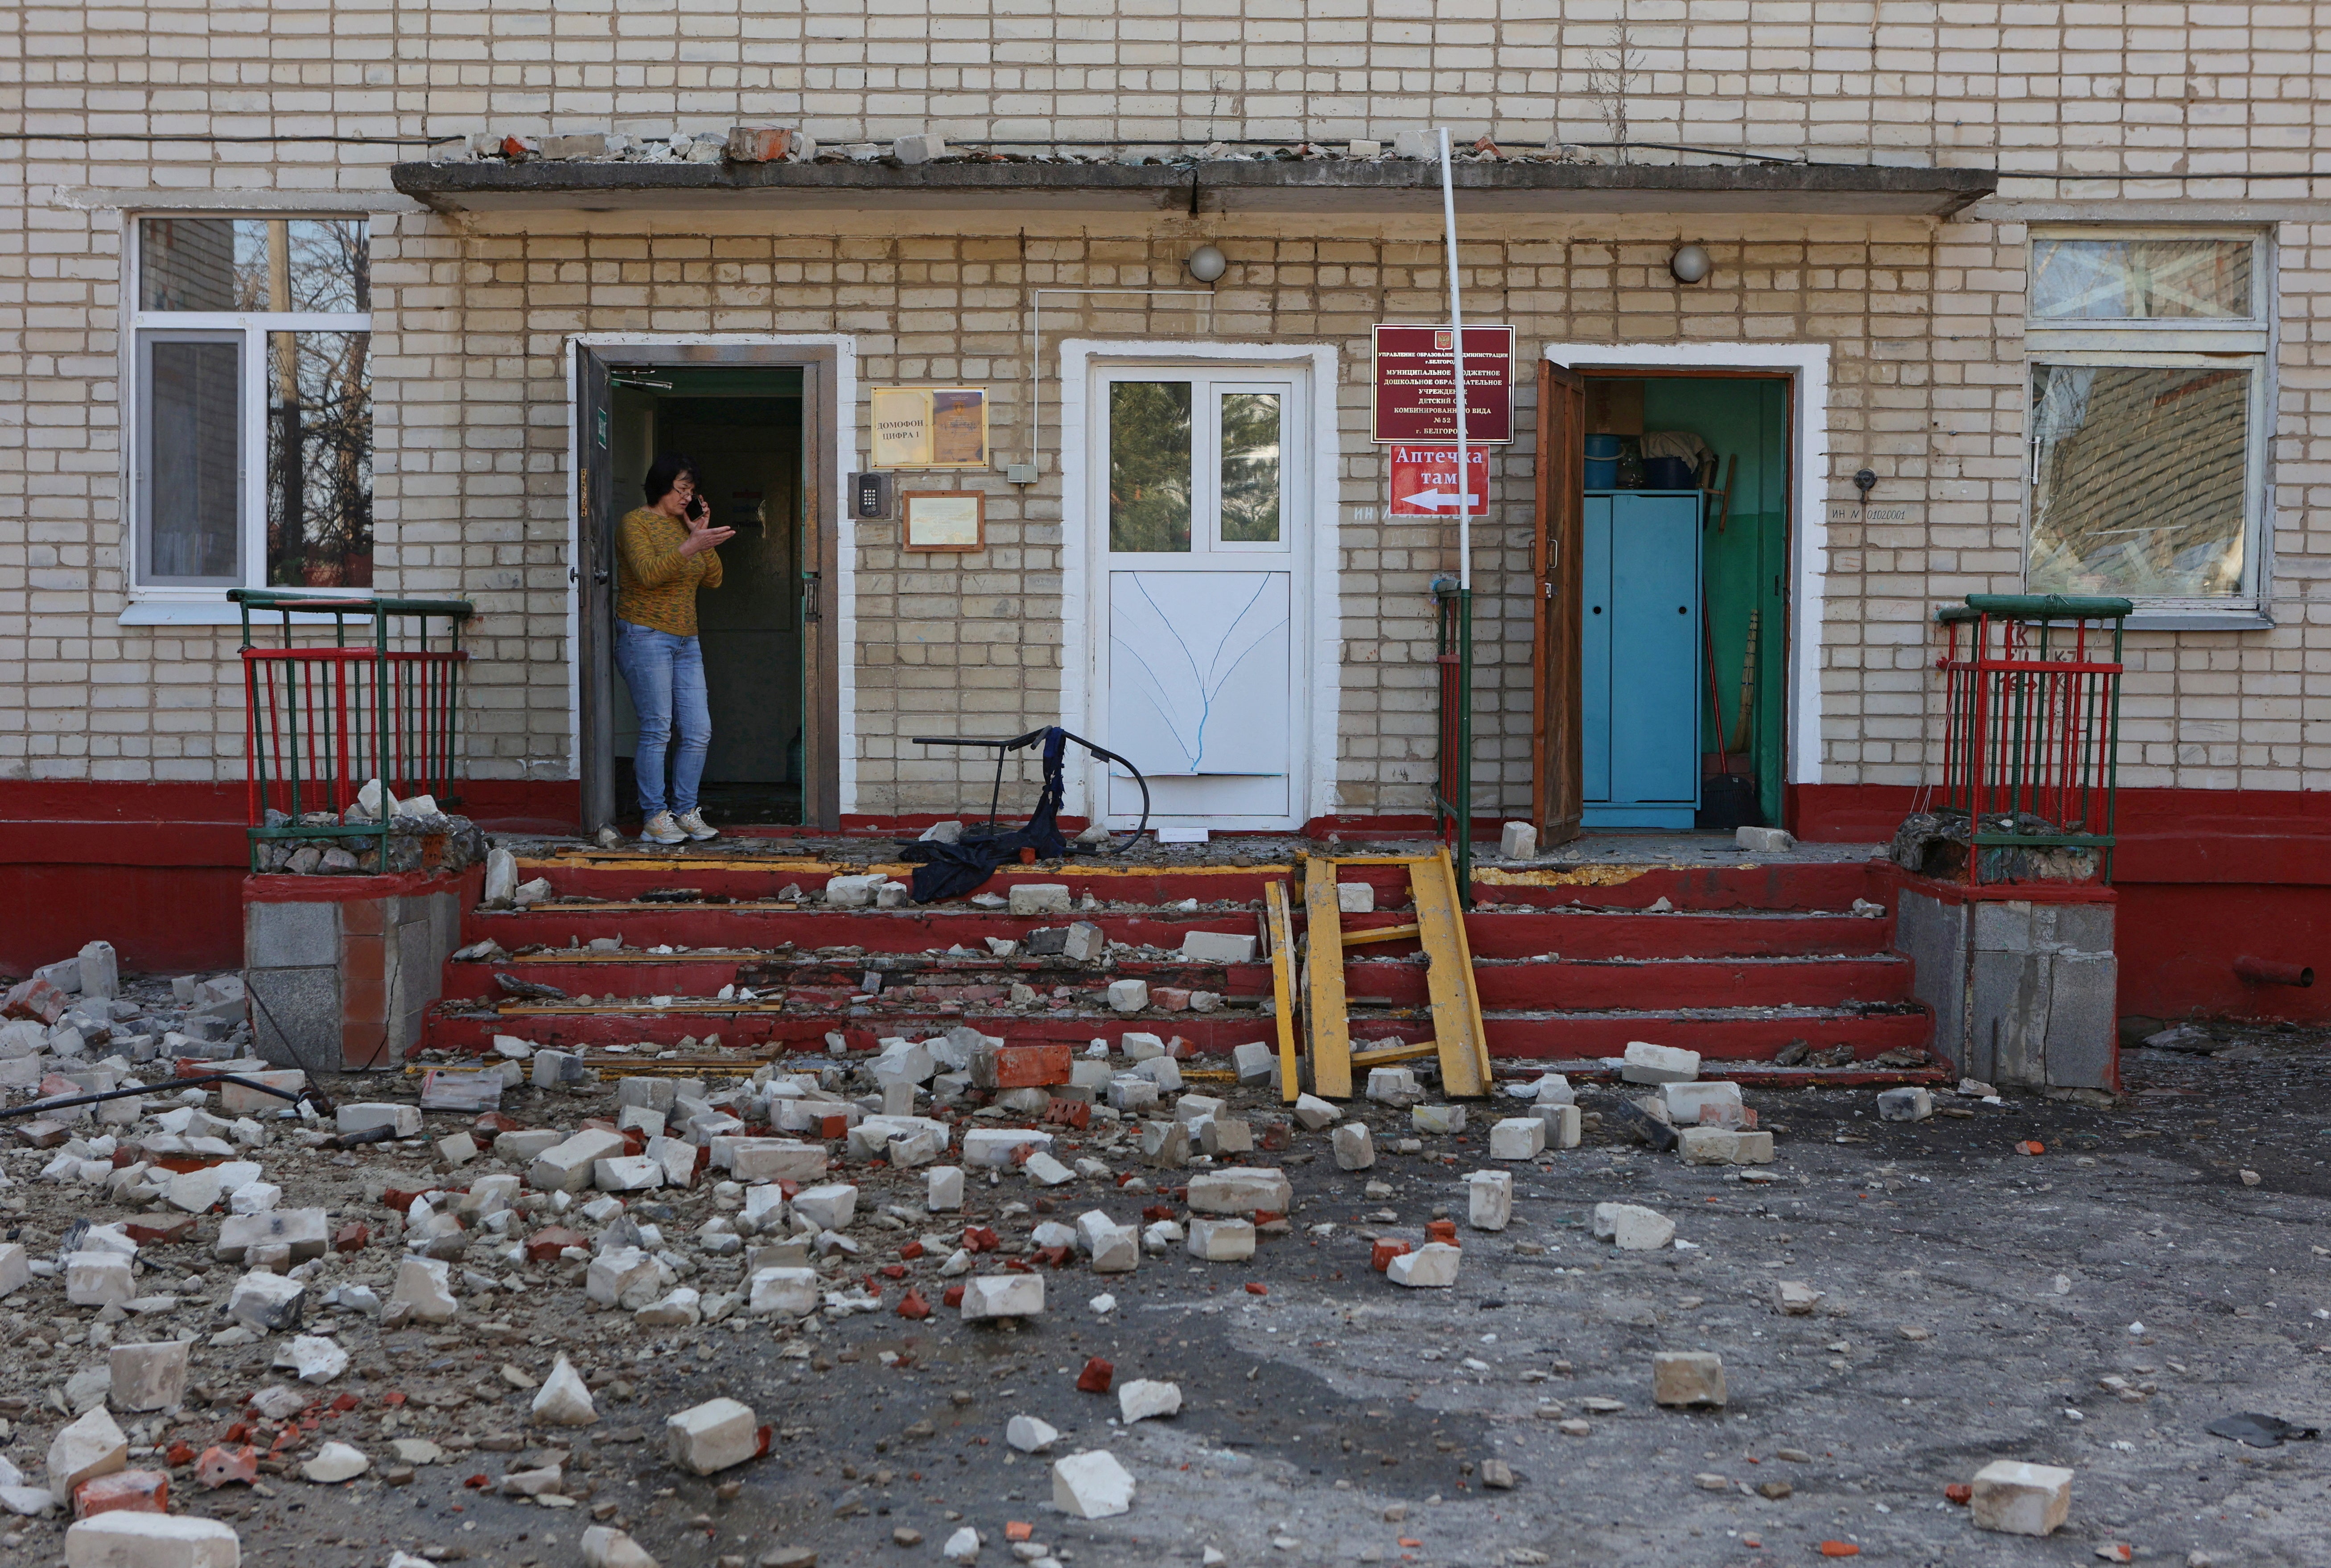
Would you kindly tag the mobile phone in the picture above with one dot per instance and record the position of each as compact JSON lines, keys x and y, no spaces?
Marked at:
{"x":697,"y":509}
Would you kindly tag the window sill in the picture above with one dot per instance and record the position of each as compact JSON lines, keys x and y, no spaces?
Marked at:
{"x":2244,"y":619}
{"x":202,"y":613}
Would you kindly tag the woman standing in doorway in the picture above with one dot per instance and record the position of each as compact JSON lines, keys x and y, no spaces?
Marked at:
{"x":667,"y":551}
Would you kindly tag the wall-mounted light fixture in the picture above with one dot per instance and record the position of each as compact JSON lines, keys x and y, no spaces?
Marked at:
{"x":1689,"y":264}
{"x":1207,"y":263}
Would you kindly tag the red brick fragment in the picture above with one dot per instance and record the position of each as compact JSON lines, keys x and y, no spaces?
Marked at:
{"x":911,"y":1250}
{"x":758,"y":144}
{"x":913,"y":1305}
{"x":1381,"y":1255}
{"x":164,"y":1233}
{"x":545,"y":1244}
{"x":979,"y":1239}
{"x":352,"y":1237}
{"x":1032,"y":1066}
{"x":952,"y":1295}
{"x":131,"y":1491}
{"x":36,"y":1000}
{"x":1442,"y":1231}
{"x":226,"y":1464}
{"x":1096,"y":1376}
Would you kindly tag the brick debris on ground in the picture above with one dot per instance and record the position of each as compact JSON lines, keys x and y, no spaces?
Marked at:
{"x":393,"y":1347}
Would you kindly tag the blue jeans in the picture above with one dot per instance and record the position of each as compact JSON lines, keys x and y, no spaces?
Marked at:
{"x":666,"y":675}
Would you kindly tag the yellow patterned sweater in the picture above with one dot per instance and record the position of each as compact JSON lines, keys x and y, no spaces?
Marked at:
{"x":657,"y":585}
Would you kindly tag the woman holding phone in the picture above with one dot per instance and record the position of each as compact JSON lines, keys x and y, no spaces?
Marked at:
{"x":666,"y":551}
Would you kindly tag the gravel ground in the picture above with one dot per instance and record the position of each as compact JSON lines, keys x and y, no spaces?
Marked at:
{"x":1977,"y":1296}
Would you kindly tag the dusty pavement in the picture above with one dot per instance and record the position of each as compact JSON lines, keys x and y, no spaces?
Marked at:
{"x":2092,"y":1306}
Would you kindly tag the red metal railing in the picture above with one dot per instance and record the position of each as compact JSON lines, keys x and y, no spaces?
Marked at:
{"x":323,"y":719}
{"x":2033,"y":729}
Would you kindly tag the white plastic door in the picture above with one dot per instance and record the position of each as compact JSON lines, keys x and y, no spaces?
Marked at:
{"x":1199,"y":603}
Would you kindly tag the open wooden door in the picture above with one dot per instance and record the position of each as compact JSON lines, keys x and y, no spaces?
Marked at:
{"x":820,"y":631}
{"x":1556,"y":754}
{"x":593,"y":573}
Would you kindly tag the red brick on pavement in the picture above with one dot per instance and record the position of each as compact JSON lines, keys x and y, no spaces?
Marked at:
{"x":1032,"y":1066}
{"x":224,"y":1464}
{"x":545,"y":1244}
{"x":136,"y":1491}
{"x":36,"y":1000}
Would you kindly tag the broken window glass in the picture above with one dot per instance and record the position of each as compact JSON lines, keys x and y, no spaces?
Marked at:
{"x":2141,"y":280}
{"x":1149,"y":467}
{"x":2139,"y":479}
{"x":192,"y":461}
{"x":1250,"y":468}
{"x":251,"y":265}
{"x":319,"y":459}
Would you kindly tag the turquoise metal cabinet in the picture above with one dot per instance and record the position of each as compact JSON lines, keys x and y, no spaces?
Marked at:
{"x":1639,"y":663}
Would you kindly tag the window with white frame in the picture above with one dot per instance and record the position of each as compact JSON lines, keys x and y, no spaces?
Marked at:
{"x":2148,"y":423}
{"x":252,"y":411}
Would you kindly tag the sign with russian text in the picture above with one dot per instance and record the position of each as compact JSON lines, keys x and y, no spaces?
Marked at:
{"x":1414,"y":400}
{"x":1424,"y":480}
{"x":929,"y":427}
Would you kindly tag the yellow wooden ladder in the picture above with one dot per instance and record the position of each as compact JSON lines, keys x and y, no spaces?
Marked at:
{"x":1439,"y":927}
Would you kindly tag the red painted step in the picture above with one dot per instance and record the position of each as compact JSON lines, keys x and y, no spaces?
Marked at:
{"x":1801,"y":885}
{"x":1742,"y":961}
{"x":1742,"y":1034}
{"x":1502,"y":983}
{"x":1782,"y":886}
{"x":1572,"y":934}
{"x":1726,"y":983}
{"x":768,"y":927}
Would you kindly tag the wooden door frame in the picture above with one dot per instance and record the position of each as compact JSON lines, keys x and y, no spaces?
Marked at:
{"x":1558,"y":567}
{"x":1805,"y":368}
{"x":828,"y":363}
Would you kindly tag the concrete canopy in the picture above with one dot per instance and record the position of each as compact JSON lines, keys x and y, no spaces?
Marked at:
{"x":1276,"y":184}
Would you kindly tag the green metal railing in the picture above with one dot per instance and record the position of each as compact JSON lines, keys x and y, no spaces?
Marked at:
{"x":323,"y":719}
{"x":1453,"y":789}
{"x":2032,"y":739}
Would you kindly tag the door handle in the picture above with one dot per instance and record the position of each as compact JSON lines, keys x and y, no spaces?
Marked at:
{"x":812,"y":592}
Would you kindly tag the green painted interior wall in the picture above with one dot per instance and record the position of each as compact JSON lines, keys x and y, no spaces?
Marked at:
{"x":1746,"y":559}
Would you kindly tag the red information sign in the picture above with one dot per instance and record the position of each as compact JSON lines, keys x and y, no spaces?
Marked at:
{"x":1424,"y":480}
{"x":1413,"y":399}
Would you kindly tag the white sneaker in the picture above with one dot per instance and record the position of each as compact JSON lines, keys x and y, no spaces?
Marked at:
{"x":660,"y":829}
{"x":693,"y":825}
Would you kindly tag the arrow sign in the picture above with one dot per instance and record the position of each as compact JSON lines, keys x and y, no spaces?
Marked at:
{"x":1424,"y":480}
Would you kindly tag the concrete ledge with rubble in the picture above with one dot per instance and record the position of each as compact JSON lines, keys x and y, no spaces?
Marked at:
{"x":341,"y":970}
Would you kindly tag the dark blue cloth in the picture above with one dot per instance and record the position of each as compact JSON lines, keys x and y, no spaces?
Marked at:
{"x":953,"y":870}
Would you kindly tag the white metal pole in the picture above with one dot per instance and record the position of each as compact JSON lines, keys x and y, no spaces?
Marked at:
{"x":1456,"y":373}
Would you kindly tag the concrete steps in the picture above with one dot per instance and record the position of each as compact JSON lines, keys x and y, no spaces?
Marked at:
{"x":1736,"y":962}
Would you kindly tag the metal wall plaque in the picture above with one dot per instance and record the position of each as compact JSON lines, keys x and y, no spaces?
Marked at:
{"x":1414,"y":400}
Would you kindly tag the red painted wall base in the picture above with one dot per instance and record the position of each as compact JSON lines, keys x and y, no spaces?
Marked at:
{"x":157,"y":868}
{"x":2205,"y":877}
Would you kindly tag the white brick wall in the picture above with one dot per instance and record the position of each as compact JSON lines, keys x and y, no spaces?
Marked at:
{"x":1924,"y":319}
